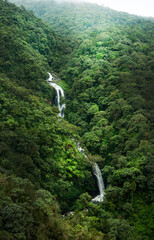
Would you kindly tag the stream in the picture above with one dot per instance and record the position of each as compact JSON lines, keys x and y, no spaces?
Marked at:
{"x":60,"y":96}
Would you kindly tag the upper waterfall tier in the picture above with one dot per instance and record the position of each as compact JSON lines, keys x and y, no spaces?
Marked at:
{"x":60,"y":95}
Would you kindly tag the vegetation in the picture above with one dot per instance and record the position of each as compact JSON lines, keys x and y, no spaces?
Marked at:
{"x":105,"y":63}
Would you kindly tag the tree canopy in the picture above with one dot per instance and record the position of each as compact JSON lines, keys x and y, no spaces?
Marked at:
{"x":104,"y":62}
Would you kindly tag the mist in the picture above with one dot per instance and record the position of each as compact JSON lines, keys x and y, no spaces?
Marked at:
{"x":137,"y":7}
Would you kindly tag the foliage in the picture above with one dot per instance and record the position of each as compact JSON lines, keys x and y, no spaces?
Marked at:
{"x":105,"y":61}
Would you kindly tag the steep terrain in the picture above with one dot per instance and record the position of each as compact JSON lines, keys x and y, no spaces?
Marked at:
{"x":105,"y":61}
{"x":36,"y":150}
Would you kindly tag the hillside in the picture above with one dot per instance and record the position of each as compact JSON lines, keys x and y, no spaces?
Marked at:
{"x":34,"y":156}
{"x":75,"y":18}
{"x":105,"y":61}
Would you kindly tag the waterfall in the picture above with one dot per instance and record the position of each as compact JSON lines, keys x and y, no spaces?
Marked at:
{"x":98,"y":174}
{"x":96,"y":169}
{"x":100,"y":182}
{"x":60,"y":95}
{"x":80,"y":149}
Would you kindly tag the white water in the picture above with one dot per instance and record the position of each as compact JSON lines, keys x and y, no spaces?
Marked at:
{"x":100,"y":182}
{"x":60,"y":95}
{"x":96,"y":169}
{"x":98,"y":174}
{"x":81,"y":150}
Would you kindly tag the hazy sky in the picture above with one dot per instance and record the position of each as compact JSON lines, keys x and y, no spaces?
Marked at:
{"x":138,"y":7}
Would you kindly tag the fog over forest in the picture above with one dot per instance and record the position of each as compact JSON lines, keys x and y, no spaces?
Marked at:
{"x":137,"y":7}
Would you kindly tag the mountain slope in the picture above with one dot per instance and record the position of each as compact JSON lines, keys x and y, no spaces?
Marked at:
{"x":36,"y":150}
{"x":109,"y":76}
{"x":76,"y":18}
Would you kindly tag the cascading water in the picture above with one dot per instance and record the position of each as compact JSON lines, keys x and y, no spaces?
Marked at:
{"x":100,"y":182}
{"x":98,"y":174}
{"x":96,"y":169}
{"x":81,"y":150}
{"x":60,"y":95}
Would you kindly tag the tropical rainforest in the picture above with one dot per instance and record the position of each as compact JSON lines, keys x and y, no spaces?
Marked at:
{"x":104,"y":61}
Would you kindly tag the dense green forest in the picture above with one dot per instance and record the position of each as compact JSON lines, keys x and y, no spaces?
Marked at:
{"x":104,"y":60}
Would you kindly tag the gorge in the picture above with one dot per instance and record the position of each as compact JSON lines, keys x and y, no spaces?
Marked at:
{"x":96,"y":169}
{"x":104,"y":63}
